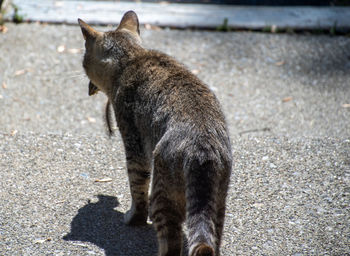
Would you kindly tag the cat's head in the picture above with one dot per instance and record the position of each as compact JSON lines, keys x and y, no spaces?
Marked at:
{"x":107,"y":52}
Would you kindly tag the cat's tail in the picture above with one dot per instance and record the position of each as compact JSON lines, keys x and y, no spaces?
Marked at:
{"x":200,"y":203}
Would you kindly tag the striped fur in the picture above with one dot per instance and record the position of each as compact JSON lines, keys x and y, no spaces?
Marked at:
{"x":174,"y":134}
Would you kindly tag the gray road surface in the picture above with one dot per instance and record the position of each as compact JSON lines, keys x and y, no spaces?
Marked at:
{"x":286,"y":100}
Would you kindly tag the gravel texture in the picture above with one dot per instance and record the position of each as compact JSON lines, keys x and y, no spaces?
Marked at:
{"x":284,"y":97}
{"x":287,"y":197}
{"x":251,"y":73}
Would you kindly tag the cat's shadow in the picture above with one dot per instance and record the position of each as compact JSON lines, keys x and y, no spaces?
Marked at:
{"x":100,"y":224}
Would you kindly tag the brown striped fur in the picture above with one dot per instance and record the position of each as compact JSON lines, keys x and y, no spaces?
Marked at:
{"x":173,"y":130}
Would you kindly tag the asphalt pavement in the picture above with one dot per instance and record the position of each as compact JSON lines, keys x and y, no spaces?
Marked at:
{"x":286,"y":97}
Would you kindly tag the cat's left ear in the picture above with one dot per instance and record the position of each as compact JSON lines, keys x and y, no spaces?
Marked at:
{"x":88,"y":32}
{"x":130,"y":22}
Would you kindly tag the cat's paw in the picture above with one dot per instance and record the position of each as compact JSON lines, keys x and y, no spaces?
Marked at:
{"x":133,"y":218}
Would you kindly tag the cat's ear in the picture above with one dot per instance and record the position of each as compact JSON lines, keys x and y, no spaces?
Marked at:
{"x":88,"y":32}
{"x":130,"y":22}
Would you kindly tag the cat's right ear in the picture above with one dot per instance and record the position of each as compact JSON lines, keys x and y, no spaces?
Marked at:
{"x":88,"y":32}
{"x":130,"y":22}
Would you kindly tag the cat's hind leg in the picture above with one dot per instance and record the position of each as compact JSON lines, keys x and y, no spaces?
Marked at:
{"x":221,"y":206}
{"x":167,"y":211}
{"x":220,"y":223}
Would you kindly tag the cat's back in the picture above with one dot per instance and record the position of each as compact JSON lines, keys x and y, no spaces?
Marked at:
{"x":168,"y":86}
{"x":168,"y":98}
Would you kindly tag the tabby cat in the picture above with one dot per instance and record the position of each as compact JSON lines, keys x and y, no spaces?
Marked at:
{"x":172,"y":127}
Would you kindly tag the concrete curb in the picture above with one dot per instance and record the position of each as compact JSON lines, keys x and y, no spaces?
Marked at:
{"x":186,"y":15}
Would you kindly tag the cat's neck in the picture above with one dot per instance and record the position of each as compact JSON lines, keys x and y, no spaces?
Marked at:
{"x":111,"y":80}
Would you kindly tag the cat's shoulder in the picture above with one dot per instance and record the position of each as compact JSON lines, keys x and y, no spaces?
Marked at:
{"x":156,"y":58}
{"x":155,"y":63}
